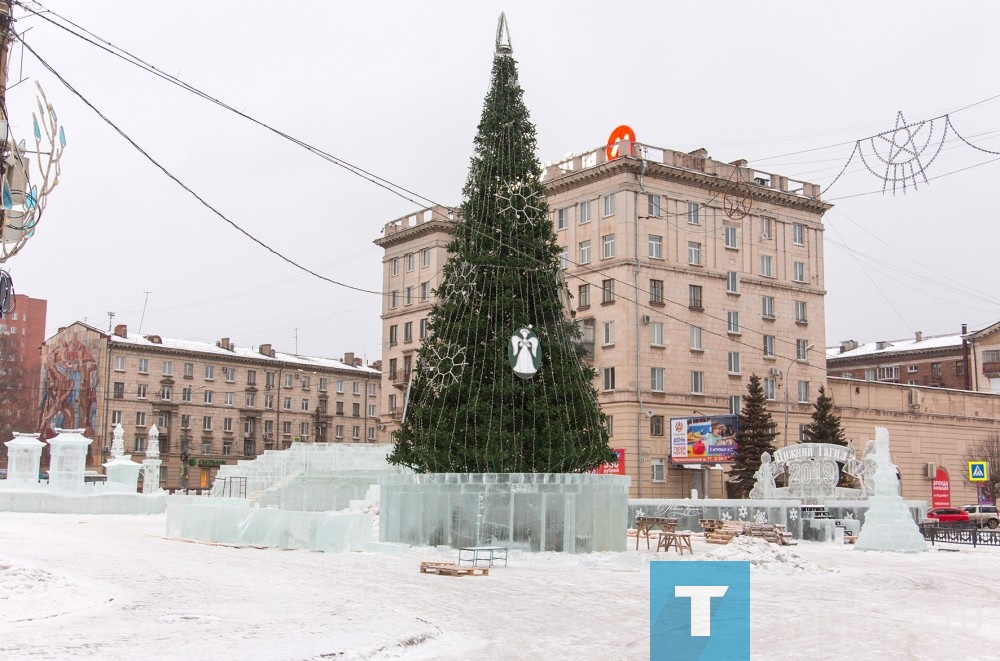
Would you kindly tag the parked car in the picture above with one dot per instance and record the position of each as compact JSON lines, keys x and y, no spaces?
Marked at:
{"x":947,"y":515}
{"x":985,"y":516}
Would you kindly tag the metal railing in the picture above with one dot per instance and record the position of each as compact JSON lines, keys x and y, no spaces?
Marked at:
{"x":961,"y":532}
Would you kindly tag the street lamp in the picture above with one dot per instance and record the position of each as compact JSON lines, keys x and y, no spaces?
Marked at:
{"x":791,"y":364}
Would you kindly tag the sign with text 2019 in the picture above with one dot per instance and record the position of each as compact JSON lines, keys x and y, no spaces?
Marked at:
{"x":699,"y":610}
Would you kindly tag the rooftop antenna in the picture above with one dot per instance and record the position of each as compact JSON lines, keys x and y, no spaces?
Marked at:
{"x":111,"y":320}
{"x":147,"y":293}
{"x":296,"y":341}
{"x":503,"y":36}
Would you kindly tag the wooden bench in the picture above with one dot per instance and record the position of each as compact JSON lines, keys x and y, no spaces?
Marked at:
{"x":675,"y":540}
{"x":449,"y":569}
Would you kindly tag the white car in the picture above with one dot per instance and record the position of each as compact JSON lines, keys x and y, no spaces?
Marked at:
{"x":985,"y":516}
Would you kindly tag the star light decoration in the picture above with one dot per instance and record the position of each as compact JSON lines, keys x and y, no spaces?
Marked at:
{"x":443,"y":365}
{"x":518,"y":200}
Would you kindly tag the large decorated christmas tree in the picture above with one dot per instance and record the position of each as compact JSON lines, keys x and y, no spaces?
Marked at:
{"x":500,"y":385}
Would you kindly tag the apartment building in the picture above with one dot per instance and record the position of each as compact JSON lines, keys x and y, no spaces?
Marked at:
{"x":679,"y":300}
{"x":27,"y":324}
{"x":211,"y":403}
{"x":21,"y":335}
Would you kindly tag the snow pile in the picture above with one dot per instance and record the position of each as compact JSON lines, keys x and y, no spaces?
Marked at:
{"x":28,"y":593}
{"x":764,"y":556}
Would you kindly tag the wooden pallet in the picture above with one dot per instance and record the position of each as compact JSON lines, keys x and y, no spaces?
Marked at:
{"x":850,"y":539}
{"x":450,"y":569}
{"x":720,"y":536}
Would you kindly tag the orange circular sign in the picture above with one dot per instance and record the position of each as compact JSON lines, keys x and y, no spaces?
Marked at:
{"x":623,"y":132}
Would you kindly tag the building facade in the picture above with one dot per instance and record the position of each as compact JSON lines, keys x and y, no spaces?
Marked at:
{"x":22,"y":333}
{"x":212,"y":404}
{"x":678,"y":299}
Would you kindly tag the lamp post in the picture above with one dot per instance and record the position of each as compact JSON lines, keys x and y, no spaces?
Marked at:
{"x":791,"y":364}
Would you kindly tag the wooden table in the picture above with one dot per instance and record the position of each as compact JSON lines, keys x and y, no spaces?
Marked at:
{"x":643,"y":524}
{"x":675,"y":540}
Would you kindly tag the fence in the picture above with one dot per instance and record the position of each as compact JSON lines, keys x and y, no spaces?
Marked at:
{"x":959,"y":533}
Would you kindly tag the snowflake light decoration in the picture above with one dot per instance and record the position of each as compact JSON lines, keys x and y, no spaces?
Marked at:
{"x":520,"y":201}
{"x":793,"y":514}
{"x":726,"y":516}
{"x":849,"y":515}
{"x":461,"y":283}
{"x":443,"y":365}
{"x":743,"y":511}
{"x":760,"y":517}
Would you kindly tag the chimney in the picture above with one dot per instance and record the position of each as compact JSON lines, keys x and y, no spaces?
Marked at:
{"x":848,"y":345}
{"x":121,"y":330}
{"x":919,"y":336}
{"x":965,"y":329}
{"x":358,"y":362}
{"x":266,"y":350}
{"x":349,"y":358}
{"x":225,"y":344}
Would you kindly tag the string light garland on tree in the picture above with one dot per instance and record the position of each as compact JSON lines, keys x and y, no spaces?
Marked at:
{"x":501,"y":384}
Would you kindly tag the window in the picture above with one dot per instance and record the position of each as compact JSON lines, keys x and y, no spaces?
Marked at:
{"x":288,"y":380}
{"x":609,"y":245}
{"x":269,"y":401}
{"x":765,"y":228}
{"x":425,"y":257}
{"x":408,"y":331}
{"x":356,"y":385}
{"x":339,"y":431}
{"x":268,"y":380}
{"x":735,"y":404}
{"x":323,"y":381}
{"x":423,"y":329}
{"x":584,"y":296}
{"x":609,"y":378}
{"x":766,"y":269}
{"x":140,"y":391}
{"x":227,"y":424}
{"x":394,"y":266}
{"x":798,"y":234}
{"x":767,"y":307}
{"x":584,"y":212}
{"x":770,"y":389}
{"x":656,"y":379}
{"x":411,"y":261}
{"x":800,"y":312}
{"x":562,"y":219}
{"x":693,"y":208}
{"x":119,"y":363}
{"x":119,"y":389}
{"x":393,"y":335}
{"x":936,"y":369}
{"x":729,"y":234}
{"x":186,"y":394}
{"x":607,"y":291}
{"x":799,"y":271}
{"x":166,"y":392}
{"x":584,"y":252}
{"x":656,"y":425}
{"x":305,"y":404}
{"x":656,"y":291}
{"x":697,"y":383}
{"x":188,"y":370}
{"x":609,"y":424}
{"x":803,"y":433}
{"x":801,"y":349}
{"x":286,"y":403}
{"x":734,"y":362}
{"x":912,"y":369}
{"x":206,"y":423}
{"x":694,"y":253}
{"x":803,"y":392}
{"x":732,"y":282}
{"x":185,"y":421}
{"x":409,"y":295}
{"x":653,"y":205}
{"x":140,"y":443}
{"x":991,"y":356}
{"x":394,"y":299}
{"x":733,"y":321}
{"x":608,"y":333}
{"x":656,"y":333}
{"x":228,"y":399}
{"x":168,"y":367}
{"x":425,"y":291}
{"x":355,"y":431}
{"x":869,"y":374}
{"x":116,"y":417}
{"x":609,"y":204}
{"x":286,"y":428}
{"x":209,"y":372}
{"x":371,"y":411}
{"x":655,"y":246}
{"x":340,"y":386}
{"x":144,"y":366}
{"x":769,"y":346}
{"x":959,"y":368}
{"x":251,"y":377}
{"x":140,"y":419}
{"x":657,"y":470}
{"x":694,"y":297}
{"x":251,"y":399}
{"x":227,"y":448}
{"x":207,"y":396}
{"x":564,"y":258}
{"x":695,"y":335}
{"x":356,"y":410}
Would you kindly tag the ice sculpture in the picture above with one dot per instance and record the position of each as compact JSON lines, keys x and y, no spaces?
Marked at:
{"x":24,"y":456}
{"x":888,"y":525}
{"x":151,"y":464}
{"x":68,"y":460}
{"x":122,"y":472}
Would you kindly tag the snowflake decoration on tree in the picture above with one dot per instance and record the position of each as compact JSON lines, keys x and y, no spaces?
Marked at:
{"x":744,"y":510}
{"x":849,"y":515}
{"x":443,"y":365}
{"x":461,"y":283}
{"x":760,"y":517}
{"x":726,"y":516}
{"x":519,"y":200}
{"x":793,"y":514}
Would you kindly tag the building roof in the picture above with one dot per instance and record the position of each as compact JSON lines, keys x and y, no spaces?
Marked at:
{"x":891,"y":347}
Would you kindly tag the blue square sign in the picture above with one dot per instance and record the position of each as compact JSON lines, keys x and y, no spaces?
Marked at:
{"x":699,"y":610}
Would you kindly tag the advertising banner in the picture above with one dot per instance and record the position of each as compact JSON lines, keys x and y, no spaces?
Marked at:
{"x":703,"y":440}
{"x":940,"y":489}
{"x":616,"y":467}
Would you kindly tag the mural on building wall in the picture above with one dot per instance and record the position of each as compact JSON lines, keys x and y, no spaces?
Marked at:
{"x":69,"y":385}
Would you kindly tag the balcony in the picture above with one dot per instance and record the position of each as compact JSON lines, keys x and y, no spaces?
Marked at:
{"x":396,"y":412}
{"x":401,"y":379}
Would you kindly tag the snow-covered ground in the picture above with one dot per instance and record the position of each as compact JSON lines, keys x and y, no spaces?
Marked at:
{"x":75,"y":586}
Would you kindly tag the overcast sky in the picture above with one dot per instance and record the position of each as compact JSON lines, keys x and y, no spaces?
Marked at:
{"x":397,"y":88}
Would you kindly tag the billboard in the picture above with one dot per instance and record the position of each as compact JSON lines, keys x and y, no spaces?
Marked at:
{"x":703,"y":440}
{"x":617,"y":467}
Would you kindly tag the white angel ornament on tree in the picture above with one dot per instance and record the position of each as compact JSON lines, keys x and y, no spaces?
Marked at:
{"x":524,"y":353}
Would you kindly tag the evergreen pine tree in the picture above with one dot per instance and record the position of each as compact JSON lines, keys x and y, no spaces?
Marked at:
{"x":755,"y":437}
{"x":825,"y":426}
{"x":466,"y":410}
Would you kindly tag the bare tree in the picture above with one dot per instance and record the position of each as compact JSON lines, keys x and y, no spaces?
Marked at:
{"x":988,"y":450}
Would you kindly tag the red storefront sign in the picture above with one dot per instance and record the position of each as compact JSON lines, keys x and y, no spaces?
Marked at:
{"x":940,"y":489}
{"x":616,"y":467}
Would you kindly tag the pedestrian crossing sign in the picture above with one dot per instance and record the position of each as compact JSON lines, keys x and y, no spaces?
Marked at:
{"x":978,"y":472}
